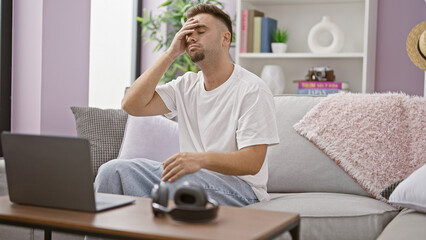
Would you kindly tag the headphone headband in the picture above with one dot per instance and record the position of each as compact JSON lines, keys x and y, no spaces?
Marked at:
{"x":193,"y":211}
{"x":191,"y":215}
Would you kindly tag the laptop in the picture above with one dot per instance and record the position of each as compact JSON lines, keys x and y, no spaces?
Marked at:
{"x":53,"y":171}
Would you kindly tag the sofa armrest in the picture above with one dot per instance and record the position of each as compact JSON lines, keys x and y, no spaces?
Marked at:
{"x":408,"y":224}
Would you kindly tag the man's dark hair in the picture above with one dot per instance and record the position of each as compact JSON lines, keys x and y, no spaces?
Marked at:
{"x":212,"y":10}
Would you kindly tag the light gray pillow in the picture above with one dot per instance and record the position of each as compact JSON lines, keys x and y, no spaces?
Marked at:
{"x":411,"y":193}
{"x":105,"y":130}
{"x":153,"y":137}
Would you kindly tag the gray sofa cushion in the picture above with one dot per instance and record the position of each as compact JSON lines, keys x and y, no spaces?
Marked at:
{"x":105,"y":130}
{"x":333,"y":215}
{"x":8,"y":232}
{"x":16,"y":233}
{"x":408,"y":224}
{"x":297,"y":165}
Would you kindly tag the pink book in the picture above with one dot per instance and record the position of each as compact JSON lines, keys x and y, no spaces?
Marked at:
{"x":244,"y":27}
{"x":319,"y":85}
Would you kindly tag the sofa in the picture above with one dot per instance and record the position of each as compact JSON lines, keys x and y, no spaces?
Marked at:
{"x":302,"y":179}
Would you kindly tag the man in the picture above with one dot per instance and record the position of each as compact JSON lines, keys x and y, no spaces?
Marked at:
{"x":226,"y":119}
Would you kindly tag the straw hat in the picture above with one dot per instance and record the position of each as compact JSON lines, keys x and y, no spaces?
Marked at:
{"x":416,"y":45}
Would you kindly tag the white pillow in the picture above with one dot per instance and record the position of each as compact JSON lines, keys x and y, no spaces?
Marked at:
{"x":411,"y":193}
{"x":154,"y":137}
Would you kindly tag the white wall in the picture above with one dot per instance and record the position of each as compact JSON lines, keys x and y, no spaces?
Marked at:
{"x":112,"y":51}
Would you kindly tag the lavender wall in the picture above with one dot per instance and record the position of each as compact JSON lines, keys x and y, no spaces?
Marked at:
{"x":394,"y":69}
{"x":26,"y":65}
{"x":50,"y":64}
{"x":65,"y":66}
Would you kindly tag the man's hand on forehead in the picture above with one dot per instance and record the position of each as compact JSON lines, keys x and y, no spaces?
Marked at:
{"x":192,"y":22}
{"x":179,"y":42}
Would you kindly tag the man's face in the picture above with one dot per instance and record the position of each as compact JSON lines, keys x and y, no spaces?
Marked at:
{"x":206,"y":39}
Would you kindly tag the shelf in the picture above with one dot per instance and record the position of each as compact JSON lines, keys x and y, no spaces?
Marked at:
{"x":354,"y":64}
{"x":300,"y":55}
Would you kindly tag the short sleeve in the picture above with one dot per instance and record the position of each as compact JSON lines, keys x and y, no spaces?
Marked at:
{"x":257,"y":121}
{"x":167,"y":93}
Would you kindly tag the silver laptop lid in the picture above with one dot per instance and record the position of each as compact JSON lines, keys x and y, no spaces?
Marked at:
{"x":49,"y":171}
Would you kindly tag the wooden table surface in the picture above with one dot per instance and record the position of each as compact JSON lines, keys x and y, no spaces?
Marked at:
{"x":137,"y":221}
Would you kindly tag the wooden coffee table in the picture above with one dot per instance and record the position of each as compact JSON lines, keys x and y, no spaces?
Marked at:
{"x":136,"y":221}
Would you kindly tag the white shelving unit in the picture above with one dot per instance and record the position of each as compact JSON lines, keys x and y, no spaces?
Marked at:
{"x":355,"y":64}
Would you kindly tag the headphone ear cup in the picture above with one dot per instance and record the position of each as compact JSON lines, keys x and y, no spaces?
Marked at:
{"x":163,"y":194}
{"x":190,"y":196}
{"x":160,"y":195}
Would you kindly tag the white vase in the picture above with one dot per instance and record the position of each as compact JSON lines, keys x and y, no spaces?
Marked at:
{"x":279,"y":47}
{"x":326,"y":25}
{"x":274,"y":77}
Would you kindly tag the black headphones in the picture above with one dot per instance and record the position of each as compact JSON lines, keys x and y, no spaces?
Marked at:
{"x":191,"y":203}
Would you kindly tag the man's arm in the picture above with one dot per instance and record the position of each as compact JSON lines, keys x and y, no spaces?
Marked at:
{"x":246,"y":161}
{"x":141,"y":99}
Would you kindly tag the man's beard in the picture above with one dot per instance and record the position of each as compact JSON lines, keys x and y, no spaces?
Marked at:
{"x":198,"y":56}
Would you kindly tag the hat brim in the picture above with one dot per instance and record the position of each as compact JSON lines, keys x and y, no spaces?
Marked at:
{"x":413,"y":46}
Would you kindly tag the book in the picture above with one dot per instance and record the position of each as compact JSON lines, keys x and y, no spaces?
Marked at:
{"x":267,"y":27}
{"x":251,"y":14}
{"x":317,"y":91}
{"x":244,"y":22}
{"x":247,"y":25}
{"x":319,"y":85}
{"x":256,"y":34}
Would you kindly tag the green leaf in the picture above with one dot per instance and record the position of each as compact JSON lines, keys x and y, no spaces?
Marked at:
{"x":166,"y":3}
{"x":180,"y":4}
{"x":149,"y":39}
{"x":187,"y":6}
{"x":187,"y":59}
{"x":140,"y":19}
{"x":156,"y":47}
{"x":179,"y":15}
{"x":179,"y":66}
{"x":144,"y":30}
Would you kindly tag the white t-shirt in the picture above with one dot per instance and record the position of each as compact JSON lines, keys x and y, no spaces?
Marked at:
{"x":237,"y":114}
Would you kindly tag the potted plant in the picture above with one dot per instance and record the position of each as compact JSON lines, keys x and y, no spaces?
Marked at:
{"x":174,"y":18}
{"x":279,"y":40}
